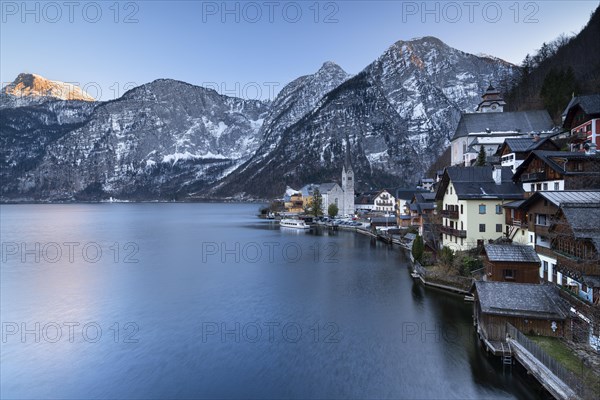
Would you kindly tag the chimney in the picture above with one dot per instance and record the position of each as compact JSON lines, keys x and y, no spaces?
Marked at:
{"x":536,"y":137}
{"x":497,"y":174}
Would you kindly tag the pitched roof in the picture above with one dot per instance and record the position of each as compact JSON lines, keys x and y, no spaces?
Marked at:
{"x":407,"y":194}
{"x":524,"y":145}
{"x":326,"y":187}
{"x":583,"y":220}
{"x":517,"y":121}
{"x":559,"y":198}
{"x":511,"y":252}
{"x":563,"y":197}
{"x":520,"y":299}
{"x":478,"y":183}
{"x":590,"y":104}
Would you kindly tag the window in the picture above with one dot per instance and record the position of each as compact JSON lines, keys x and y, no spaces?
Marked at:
{"x":532,"y":189}
{"x":509,"y":274}
{"x":481,"y":227}
{"x":461,"y":209}
{"x":498,"y":227}
{"x":450,"y":189}
{"x":545,"y":186}
{"x":556,"y":186}
{"x":482,"y":209}
{"x":498,"y":209}
{"x":539,"y":186}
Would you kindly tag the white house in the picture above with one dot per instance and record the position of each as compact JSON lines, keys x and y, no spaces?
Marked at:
{"x":381,"y":201}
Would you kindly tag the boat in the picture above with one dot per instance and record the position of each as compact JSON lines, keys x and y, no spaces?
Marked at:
{"x":293,"y":223}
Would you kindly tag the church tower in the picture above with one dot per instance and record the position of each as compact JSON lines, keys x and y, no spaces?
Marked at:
{"x":492,"y":101}
{"x":348,"y":188}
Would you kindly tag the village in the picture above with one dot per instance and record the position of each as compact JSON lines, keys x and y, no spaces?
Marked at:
{"x":512,"y":223}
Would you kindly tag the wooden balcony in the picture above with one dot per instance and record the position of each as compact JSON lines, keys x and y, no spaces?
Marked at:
{"x":454,"y":232}
{"x":533,"y":176}
{"x":452,"y":214}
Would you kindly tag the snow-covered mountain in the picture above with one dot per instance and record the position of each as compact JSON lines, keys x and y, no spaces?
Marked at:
{"x":150,"y":143}
{"x":393,"y":119}
{"x":29,"y":89}
{"x":172,"y":140}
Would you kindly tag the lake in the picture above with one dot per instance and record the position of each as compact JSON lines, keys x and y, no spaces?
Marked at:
{"x":208,"y":301}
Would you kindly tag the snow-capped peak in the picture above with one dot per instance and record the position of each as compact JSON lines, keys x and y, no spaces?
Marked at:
{"x":36,"y":86}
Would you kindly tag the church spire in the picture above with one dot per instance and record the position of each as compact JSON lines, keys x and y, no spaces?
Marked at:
{"x":492,"y":101}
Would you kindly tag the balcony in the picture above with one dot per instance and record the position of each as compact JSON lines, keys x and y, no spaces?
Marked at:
{"x":518,"y":223}
{"x":454,"y":232}
{"x":452,"y":214}
{"x":533,"y":176}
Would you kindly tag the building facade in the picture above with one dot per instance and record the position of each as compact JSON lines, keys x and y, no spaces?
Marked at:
{"x":472,"y":200}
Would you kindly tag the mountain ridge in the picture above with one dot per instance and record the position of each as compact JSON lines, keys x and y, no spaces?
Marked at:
{"x":170,"y":139}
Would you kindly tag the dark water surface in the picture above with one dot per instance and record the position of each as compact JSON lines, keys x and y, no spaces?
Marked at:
{"x":207,"y":301}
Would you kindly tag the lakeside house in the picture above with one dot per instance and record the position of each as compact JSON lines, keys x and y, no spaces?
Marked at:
{"x":489,"y":126}
{"x":511,"y":263}
{"x":422,"y":209}
{"x":293,"y":202}
{"x":533,"y":309}
{"x":472,"y":200}
{"x":581,"y":118}
{"x":563,"y":227}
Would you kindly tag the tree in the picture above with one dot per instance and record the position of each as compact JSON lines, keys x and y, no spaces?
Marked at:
{"x":332,"y":210}
{"x":446,"y":258}
{"x":480,"y":162}
{"x":557,"y":89}
{"x":316,"y":204}
{"x":418,"y":248}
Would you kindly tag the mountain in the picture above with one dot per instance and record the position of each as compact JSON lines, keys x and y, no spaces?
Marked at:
{"x":392,"y":120}
{"x":172,"y":140}
{"x":560,"y":68}
{"x":294,"y":101}
{"x":29,"y":89}
{"x":148,"y":144}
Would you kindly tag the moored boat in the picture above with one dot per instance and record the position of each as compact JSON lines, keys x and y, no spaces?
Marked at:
{"x":293,"y":223}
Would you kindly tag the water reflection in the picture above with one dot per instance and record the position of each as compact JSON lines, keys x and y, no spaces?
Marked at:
{"x":200,"y":287}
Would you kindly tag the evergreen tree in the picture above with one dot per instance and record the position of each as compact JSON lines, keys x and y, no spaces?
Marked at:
{"x":557,"y":90}
{"x":418,"y":248}
{"x":332,"y":210}
{"x":480,"y":162}
{"x":316,"y":204}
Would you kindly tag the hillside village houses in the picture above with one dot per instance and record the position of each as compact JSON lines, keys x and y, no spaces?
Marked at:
{"x":532,"y":213}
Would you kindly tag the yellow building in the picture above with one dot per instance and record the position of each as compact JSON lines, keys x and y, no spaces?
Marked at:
{"x":472,"y":204}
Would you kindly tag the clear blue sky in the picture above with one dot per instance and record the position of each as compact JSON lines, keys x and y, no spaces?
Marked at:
{"x":247,"y":48}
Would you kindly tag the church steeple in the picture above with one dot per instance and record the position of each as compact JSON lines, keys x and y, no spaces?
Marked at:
{"x":492,"y":101}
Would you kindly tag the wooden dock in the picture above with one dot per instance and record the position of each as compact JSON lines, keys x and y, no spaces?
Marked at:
{"x":551,"y":382}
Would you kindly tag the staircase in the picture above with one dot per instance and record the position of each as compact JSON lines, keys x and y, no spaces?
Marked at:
{"x":506,"y":354}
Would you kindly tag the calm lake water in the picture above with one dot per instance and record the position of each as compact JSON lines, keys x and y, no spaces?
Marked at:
{"x":207,"y":301}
